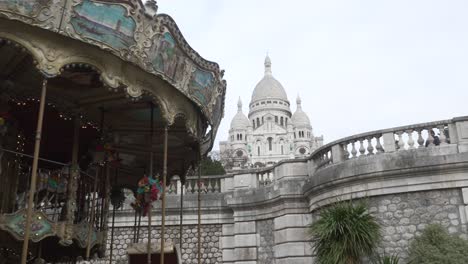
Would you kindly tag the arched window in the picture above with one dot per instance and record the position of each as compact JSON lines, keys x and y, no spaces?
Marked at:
{"x":282,"y":150}
{"x":240,"y":136}
{"x":276,"y":119}
{"x":281,"y":121}
{"x":286,"y":121}
{"x":270,"y":143}
{"x":263,"y":122}
{"x":258,"y":150}
{"x":253,"y":123}
{"x":258,"y":122}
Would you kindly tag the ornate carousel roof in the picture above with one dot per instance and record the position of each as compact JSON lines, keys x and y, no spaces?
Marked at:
{"x":138,"y":55}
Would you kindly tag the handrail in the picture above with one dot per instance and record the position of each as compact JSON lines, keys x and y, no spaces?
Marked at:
{"x":42,"y":159}
{"x":380,"y":131}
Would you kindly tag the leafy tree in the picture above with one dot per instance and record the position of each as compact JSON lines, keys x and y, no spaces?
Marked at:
{"x":437,"y":246}
{"x":210,"y":166}
{"x":344,"y":234}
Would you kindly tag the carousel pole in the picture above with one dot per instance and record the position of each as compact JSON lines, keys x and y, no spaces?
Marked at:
{"x":163,"y":218}
{"x":151,"y":175}
{"x":93,"y":213}
{"x":199,"y":213}
{"x":37,"y":146}
{"x":112,"y":235}
{"x":182,"y":183}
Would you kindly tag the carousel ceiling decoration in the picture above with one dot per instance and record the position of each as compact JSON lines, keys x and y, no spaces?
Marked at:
{"x":136,"y":34}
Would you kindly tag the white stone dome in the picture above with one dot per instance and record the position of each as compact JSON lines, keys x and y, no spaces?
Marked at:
{"x":269,"y":87}
{"x":300,"y":118}
{"x":240,"y":121}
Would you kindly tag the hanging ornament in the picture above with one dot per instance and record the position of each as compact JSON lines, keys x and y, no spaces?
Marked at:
{"x":147,"y":192}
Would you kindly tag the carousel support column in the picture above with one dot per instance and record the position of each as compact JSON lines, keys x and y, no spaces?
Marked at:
{"x":199,"y":213}
{"x":93,"y":213}
{"x":27,"y":231}
{"x":151,"y":176}
{"x":105,"y":210}
{"x":163,"y":205}
{"x":112,"y":235}
{"x":181,"y":213}
{"x":72,"y":186}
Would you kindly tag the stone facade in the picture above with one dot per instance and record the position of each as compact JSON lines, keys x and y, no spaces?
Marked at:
{"x":266,"y":254}
{"x":403,"y":216}
{"x":211,"y":253}
{"x":407,"y":186}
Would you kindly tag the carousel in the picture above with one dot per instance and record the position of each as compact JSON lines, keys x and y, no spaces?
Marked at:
{"x":95,"y":96}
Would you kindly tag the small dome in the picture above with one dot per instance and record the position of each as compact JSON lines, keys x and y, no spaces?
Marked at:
{"x":300,"y":118}
{"x":240,"y":121}
{"x":269,"y":87}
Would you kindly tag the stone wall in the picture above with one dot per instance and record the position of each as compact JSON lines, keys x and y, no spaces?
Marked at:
{"x":265,"y":229}
{"x":211,"y":253}
{"x":403,"y":216}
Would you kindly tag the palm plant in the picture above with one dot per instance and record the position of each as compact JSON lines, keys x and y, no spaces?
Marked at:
{"x":393,"y":259}
{"x":344,"y":234}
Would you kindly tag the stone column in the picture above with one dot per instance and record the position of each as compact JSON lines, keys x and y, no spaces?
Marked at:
{"x":389,"y":142}
{"x":292,"y":242}
{"x":245,"y":243}
{"x":227,"y":243}
{"x":461,"y":124}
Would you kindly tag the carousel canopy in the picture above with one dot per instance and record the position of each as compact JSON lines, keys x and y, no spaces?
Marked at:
{"x":110,"y":64}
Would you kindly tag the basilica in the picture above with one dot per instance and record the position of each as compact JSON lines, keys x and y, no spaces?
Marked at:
{"x":271,"y":132}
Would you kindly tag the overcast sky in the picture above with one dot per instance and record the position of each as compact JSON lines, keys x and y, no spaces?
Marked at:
{"x":358,"y":65}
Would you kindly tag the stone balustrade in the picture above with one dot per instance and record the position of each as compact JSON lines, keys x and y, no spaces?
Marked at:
{"x":265,"y":178}
{"x":208,"y":184}
{"x":432,"y":134}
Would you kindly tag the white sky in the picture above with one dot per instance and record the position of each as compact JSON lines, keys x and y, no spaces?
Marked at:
{"x":358,"y":65}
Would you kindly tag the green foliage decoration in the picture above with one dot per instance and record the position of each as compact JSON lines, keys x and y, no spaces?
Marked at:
{"x":344,"y":234}
{"x":393,"y":259}
{"x":436,"y":246}
{"x":210,"y":166}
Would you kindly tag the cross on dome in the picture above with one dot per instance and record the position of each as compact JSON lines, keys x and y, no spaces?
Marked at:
{"x":268,"y":65}
{"x":299,"y":102}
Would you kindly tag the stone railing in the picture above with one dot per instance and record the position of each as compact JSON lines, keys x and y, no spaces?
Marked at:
{"x":422,"y":135}
{"x":265,"y":177}
{"x":209,"y":184}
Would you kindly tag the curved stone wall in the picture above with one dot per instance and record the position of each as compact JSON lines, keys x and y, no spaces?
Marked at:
{"x":407,"y":180}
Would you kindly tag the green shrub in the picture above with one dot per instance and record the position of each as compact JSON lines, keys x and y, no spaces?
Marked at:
{"x":437,"y":246}
{"x":393,"y":259}
{"x":344,"y":234}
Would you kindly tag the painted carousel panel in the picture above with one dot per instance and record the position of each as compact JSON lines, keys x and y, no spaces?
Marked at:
{"x":26,"y":7}
{"x":201,"y":86}
{"x":41,"y":227}
{"x":81,"y":232}
{"x":106,"y":23}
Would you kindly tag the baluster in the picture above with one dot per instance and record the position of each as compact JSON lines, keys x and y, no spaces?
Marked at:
{"x":378,"y":146}
{"x":217,"y":185}
{"x":212,"y":185}
{"x":442,"y":137}
{"x":353,"y":150}
{"x":430,"y":138}
{"x":345,"y":151}
{"x":370,"y":148}
{"x":196,"y":186}
{"x":420,"y":138}
{"x":189,"y":186}
{"x":410,"y":139}
{"x":362,"y":150}
{"x":401,"y":143}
